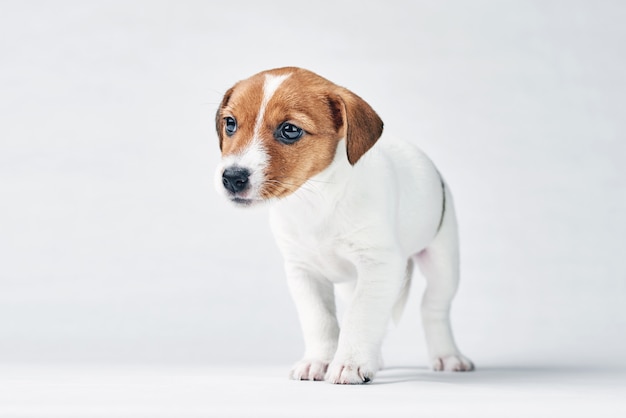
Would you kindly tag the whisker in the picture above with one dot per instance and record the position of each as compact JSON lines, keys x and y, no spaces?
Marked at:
{"x":309,"y":180}
{"x":274,"y":185}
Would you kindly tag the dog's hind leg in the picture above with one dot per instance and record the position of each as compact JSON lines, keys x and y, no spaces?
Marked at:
{"x":398,"y":308}
{"x":439,"y":263}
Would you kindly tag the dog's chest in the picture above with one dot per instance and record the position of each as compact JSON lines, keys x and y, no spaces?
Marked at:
{"x":328,"y":257}
{"x":319,"y":247}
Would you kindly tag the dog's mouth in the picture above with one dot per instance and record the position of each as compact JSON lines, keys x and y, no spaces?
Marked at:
{"x":243,"y":202}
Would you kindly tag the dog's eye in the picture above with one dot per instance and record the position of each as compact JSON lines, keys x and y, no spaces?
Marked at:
{"x":288,"y":133}
{"x":231,"y":125}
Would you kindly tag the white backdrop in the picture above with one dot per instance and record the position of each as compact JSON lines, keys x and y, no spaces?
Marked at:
{"x":114,"y":246}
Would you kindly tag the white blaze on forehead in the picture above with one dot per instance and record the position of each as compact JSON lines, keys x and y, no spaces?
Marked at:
{"x":272,"y":82}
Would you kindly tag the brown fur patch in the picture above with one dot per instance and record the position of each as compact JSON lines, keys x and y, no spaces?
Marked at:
{"x":243,"y":104}
{"x":336,"y":111}
{"x":219,"y":118}
{"x":364,"y":125}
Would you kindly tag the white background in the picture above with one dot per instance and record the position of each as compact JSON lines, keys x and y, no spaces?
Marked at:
{"x":115,"y":249}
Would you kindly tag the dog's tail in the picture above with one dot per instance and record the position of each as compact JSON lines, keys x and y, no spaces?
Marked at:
{"x":398,"y":308}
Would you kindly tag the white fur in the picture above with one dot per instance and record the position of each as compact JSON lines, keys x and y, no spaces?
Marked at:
{"x":270,"y":85}
{"x":255,"y":159}
{"x":361,"y":228}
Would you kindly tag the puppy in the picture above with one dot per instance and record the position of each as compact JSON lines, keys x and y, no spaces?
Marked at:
{"x":350,"y":214}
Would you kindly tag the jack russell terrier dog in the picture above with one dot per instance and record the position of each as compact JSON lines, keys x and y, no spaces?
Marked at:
{"x":349,"y":214}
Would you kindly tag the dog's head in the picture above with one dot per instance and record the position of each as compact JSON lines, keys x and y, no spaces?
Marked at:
{"x":280,"y":127}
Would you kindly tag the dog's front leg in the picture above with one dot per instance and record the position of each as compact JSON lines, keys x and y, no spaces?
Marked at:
{"x":358,"y":353}
{"x":315,"y":302}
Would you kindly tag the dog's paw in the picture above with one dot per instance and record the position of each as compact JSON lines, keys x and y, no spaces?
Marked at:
{"x":453,"y":363}
{"x":309,"y":369}
{"x":349,"y":373}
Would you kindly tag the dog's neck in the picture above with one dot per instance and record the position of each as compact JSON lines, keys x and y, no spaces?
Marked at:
{"x":316,"y":198}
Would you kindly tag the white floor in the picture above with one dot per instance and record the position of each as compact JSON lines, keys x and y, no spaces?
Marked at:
{"x":56,"y":391}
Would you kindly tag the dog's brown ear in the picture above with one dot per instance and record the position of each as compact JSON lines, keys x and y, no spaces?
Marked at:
{"x":363,"y":125}
{"x":219,"y":121}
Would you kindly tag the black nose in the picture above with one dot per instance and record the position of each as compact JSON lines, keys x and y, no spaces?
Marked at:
{"x":235,"y":179}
